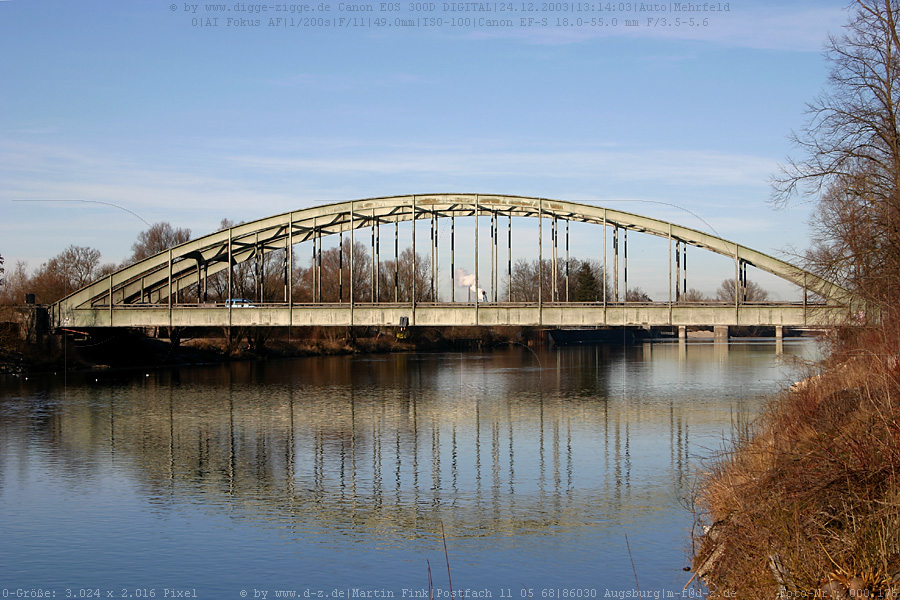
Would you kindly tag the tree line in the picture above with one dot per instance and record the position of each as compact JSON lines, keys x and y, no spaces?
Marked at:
{"x":77,"y":266}
{"x":261,"y":278}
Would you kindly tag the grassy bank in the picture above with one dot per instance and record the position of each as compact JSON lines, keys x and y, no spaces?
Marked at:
{"x":808,"y":502}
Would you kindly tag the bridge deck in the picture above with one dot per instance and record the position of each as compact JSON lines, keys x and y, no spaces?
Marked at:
{"x":459,"y":314}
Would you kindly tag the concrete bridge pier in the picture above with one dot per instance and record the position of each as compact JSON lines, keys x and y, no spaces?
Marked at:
{"x":720,"y":332}
{"x":682,"y":333}
{"x":779,"y":332}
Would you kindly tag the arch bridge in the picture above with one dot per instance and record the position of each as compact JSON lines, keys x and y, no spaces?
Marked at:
{"x":171,"y":289}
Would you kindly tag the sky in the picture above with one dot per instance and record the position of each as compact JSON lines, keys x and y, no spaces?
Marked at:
{"x":114,"y":115}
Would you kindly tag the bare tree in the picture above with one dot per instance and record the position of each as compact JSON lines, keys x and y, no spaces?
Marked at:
{"x":304,"y":284}
{"x":752,"y":292}
{"x":585,"y":282}
{"x":695,"y":295}
{"x":636,"y":294}
{"x":398,"y":280}
{"x":161,"y":236}
{"x":851,"y":147}
{"x":68,"y":271}
{"x":106,"y":269}
{"x":15,"y":285}
{"x":335,"y":274}
{"x":522,"y":286}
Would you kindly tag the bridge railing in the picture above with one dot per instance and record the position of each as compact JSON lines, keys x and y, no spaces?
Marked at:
{"x":551,"y":314}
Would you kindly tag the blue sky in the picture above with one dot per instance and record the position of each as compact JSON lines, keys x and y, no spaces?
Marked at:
{"x":130,"y":104}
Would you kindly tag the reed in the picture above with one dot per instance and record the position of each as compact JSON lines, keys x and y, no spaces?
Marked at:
{"x":809,"y":501}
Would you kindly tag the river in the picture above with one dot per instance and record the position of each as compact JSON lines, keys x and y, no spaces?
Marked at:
{"x":554,"y":473}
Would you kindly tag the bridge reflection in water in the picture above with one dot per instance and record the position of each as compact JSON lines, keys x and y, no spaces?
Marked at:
{"x":508,"y":443}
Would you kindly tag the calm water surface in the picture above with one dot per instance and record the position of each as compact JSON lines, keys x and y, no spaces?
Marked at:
{"x":546,"y":472}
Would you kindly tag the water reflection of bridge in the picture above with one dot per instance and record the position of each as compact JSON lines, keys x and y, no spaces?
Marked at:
{"x":389,"y":450}
{"x":173,"y":288}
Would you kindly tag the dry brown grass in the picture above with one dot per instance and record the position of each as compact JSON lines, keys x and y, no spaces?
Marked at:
{"x":810,"y":502}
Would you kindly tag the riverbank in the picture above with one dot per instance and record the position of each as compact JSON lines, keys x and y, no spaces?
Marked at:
{"x":132,"y":349}
{"x":808,"y":502}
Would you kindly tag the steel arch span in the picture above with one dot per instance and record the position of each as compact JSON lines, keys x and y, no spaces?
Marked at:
{"x":146,"y":293}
